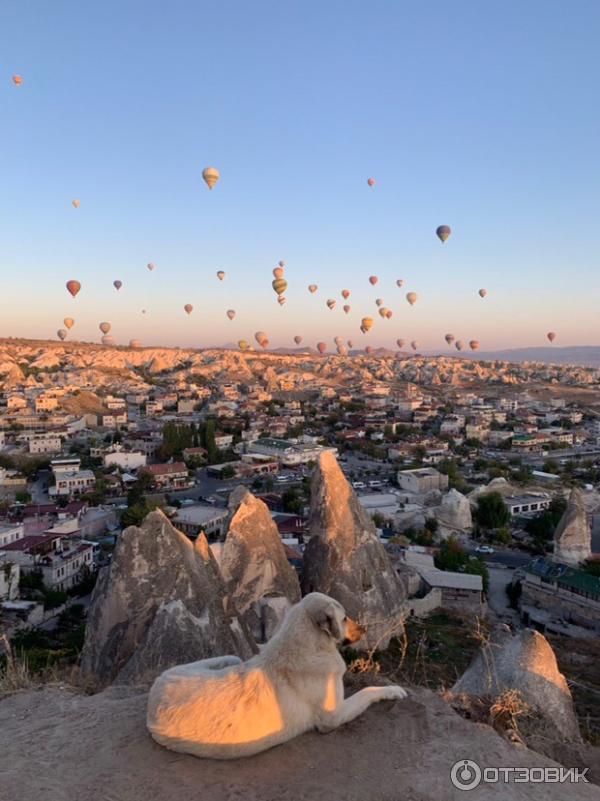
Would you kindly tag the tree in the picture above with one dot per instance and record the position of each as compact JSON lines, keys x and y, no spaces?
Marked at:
{"x":491,"y":511}
{"x":542,"y":526}
{"x":291,"y":501}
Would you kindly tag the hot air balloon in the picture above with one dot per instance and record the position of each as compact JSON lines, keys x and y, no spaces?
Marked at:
{"x":69,"y":322}
{"x":388,"y":314}
{"x":331,"y":304}
{"x":458,"y":344}
{"x":220,"y":275}
{"x":278,"y":272}
{"x":400,"y":343}
{"x":76,"y":203}
{"x":414,"y":344}
{"x":474,"y":344}
{"x":261,"y":338}
{"x":379,"y":302}
{"x":449,"y":338}
{"x":279,"y":285}
{"x":350,"y":343}
{"x":61,"y":334}
{"x":117,"y":285}
{"x":17,"y":80}
{"x":342,"y":350}
{"x":143,"y":311}
{"x":412,"y":298}
{"x":135,"y":343}
{"x":482,"y":293}
{"x":231,"y":313}
{"x":347,"y":308}
{"x":211,"y":175}
{"x":443,"y":232}
{"x":104,"y":327}
{"x":242,"y":344}
{"x":400,"y":282}
{"x":151,"y":265}
{"x":73,"y":287}
{"x":368,"y":349}
{"x":297,"y":339}
{"x":312,"y":288}
{"x":371,"y":181}
{"x":551,"y":336}
{"x":281,"y":263}
{"x":321,"y":347}
{"x":366,"y":324}
{"x":281,"y":300}
{"x":107,"y":340}
{"x":382,"y":311}
{"x":373,"y":280}
{"x":345,"y":294}
{"x":188,"y":308}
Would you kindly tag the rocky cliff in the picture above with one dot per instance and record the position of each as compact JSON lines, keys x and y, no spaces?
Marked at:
{"x":345,"y":559}
{"x":573,"y":535}
{"x":161,"y":602}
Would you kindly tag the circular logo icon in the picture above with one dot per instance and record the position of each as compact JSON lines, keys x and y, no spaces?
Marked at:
{"x":465,"y":774}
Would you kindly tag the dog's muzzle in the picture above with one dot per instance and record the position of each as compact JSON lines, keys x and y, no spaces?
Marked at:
{"x":354,"y":632}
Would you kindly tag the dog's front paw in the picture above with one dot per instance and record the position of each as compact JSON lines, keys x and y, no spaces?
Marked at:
{"x":393,"y":693}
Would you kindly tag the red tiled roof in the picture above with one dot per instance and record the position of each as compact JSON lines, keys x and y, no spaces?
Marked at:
{"x":165,"y":469}
{"x":30,"y":542}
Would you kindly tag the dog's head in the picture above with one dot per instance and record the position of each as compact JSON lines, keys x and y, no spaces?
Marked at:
{"x":331,"y":618}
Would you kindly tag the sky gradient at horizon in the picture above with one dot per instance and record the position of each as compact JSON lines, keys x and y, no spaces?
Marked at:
{"x":479,"y":116}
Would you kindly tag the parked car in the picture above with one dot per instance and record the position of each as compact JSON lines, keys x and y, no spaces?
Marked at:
{"x":484,"y":549}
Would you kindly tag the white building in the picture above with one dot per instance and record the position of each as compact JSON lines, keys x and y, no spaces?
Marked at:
{"x":192,"y":520}
{"x":288,"y":453}
{"x":125,"y":460}
{"x":422,"y":480}
{"x":69,"y":478}
{"x":45,"y":443}
{"x":10,"y":533}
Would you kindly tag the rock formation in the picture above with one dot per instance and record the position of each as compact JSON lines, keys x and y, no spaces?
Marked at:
{"x":254,"y":565}
{"x":454,"y":514}
{"x":162,"y":601}
{"x":345,"y":559}
{"x":573,"y":535}
{"x":525,"y":662}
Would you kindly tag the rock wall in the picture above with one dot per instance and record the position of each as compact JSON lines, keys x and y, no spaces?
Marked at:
{"x":573,"y":535}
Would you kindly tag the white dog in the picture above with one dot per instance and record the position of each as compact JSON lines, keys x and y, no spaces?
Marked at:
{"x":224,"y":708}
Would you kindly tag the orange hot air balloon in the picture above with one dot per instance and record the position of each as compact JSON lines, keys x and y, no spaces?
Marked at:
{"x":242,"y":344}
{"x":458,"y":344}
{"x":76,"y":203}
{"x":345,"y":294}
{"x":414,"y":344}
{"x":312,"y":288}
{"x":443,"y":232}
{"x":211,"y":175}
{"x":69,"y":322}
{"x":331,"y":304}
{"x":350,"y":343}
{"x":347,"y":309}
{"x":382,"y":311}
{"x":17,"y":80}
{"x":412,"y":298}
{"x":278,"y":272}
{"x":371,"y":181}
{"x":297,"y":339}
{"x":321,"y":347}
{"x":400,"y":282}
{"x":73,"y":287}
{"x":400,"y":343}
{"x":281,"y":300}
{"x":388,"y":314}
{"x":449,"y":338}
{"x":61,"y":334}
{"x":482,"y":293}
{"x":231,"y":313}
{"x":107,"y":340}
{"x":474,"y":344}
{"x":366,"y":324}
{"x":279,"y":285}
{"x":117,"y":285}
{"x":551,"y":336}
{"x":188,"y":308}
{"x":135,"y":343}
{"x":104,"y":327}
{"x":373,"y":280}
{"x":261,"y":338}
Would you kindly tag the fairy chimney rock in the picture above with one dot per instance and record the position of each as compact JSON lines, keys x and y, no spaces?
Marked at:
{"x":573,"y":535}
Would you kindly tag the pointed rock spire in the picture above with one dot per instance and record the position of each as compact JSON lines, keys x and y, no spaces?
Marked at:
{"x":573,"y":535}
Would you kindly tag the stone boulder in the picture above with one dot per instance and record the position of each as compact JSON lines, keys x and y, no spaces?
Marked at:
{"x":255,"y":567}
{"x":454,"y":514}
{"x":162,"y":601}
{"x":573,"y":535}
{"x":345,"y":559}
{"x":524,"y":662}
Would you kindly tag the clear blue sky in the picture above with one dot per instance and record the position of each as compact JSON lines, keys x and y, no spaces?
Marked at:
{"x":483,"y":116}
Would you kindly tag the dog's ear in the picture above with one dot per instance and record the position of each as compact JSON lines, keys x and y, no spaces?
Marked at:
{"x":326,"y":619}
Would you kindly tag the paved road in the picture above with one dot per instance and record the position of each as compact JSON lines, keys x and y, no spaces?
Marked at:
{"x":503,"y":556}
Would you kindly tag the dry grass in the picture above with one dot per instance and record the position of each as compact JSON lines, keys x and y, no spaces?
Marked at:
{"x":16,"y":674}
